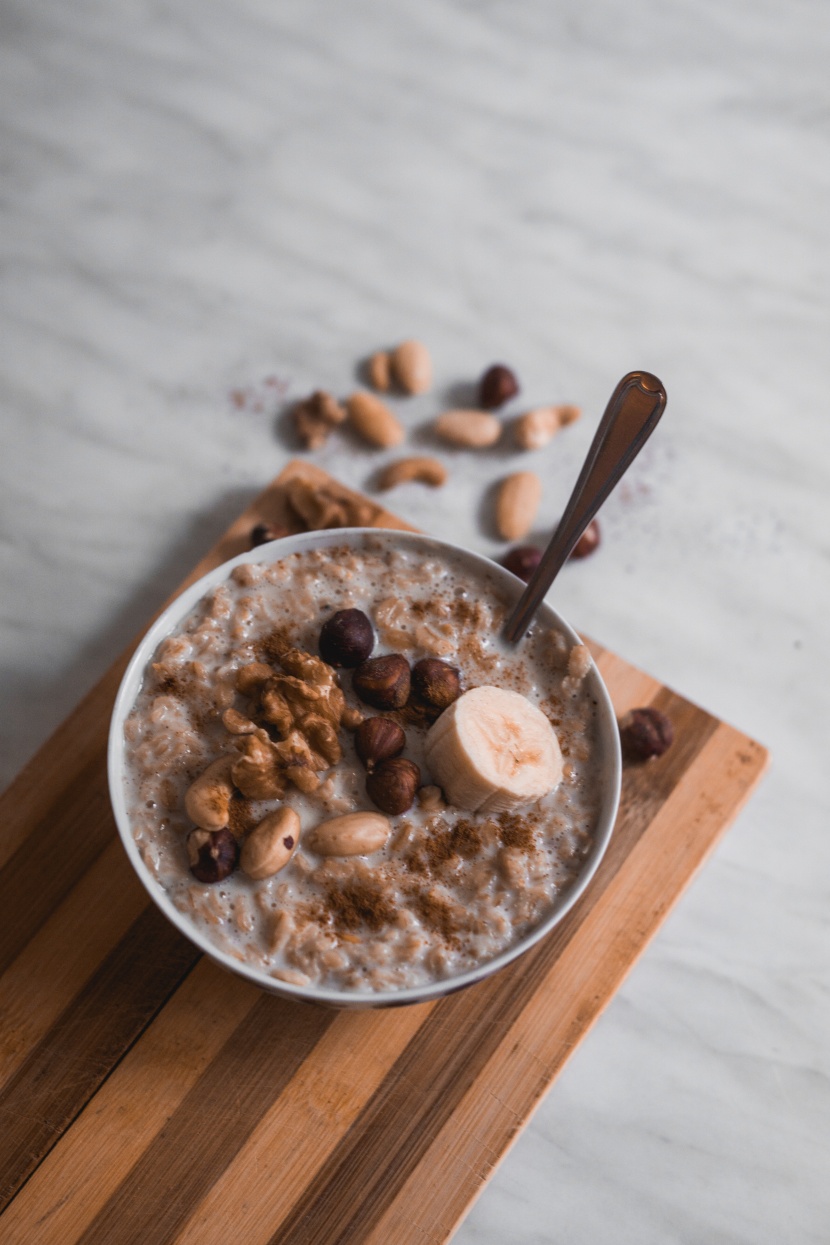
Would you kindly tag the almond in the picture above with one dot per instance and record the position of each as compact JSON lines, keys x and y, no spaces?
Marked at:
{"x":516,"y":504}
{"x":425,"y":470}
{"x":473,"y":429}
{"x":373,"y":420}
{"x":412,"y":366}
{"x":354,"y":834}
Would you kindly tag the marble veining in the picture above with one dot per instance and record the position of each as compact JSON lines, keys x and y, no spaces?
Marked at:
{"x":203,"y":201}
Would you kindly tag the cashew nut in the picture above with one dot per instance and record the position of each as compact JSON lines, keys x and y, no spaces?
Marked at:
{"x":425,"y":470}
{"x":269,"y":846}
{"x":208,"y":798}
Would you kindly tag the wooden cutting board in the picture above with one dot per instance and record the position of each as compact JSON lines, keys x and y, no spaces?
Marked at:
{"x":146,"y":1096}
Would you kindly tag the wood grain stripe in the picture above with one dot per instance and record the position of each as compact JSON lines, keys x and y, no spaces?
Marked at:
{"x":46,"y":866}
{"x":395,"y":1131}
{"x":114,"y":1130}
{"x":208,"y":1128}
{"x":91,"y":1035}
{"x":561,"y":1011}
{"x":303,"y":1128}
{"x":65,"y":952}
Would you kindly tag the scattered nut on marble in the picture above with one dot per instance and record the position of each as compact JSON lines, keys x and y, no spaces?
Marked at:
{"x":473,"y":430}
{"x":423,"y":470}
{"x":517,"y":501}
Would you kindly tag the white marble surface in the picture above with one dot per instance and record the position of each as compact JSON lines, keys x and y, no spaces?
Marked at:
{"x":198,"y":196}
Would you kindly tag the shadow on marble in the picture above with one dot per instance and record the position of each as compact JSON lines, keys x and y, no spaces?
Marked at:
{"x":38,"y":702}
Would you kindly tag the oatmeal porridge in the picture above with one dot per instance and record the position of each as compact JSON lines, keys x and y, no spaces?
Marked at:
{"x":340,"y":774}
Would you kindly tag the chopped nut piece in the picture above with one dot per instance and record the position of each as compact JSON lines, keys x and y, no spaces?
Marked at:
{"x":321,"y":506}
{"x":431,"y":799}
{"x":315,"y":417}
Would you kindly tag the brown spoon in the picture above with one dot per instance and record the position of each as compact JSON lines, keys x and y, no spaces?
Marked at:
{"x":630,"y":418}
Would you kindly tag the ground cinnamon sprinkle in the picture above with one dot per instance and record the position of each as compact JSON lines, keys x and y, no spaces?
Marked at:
{"x":355,"y":904}
{"x":444,"y":842}
{"x":272,"y":646}
{"x":438,"y":914}
{"x":175,"y":685}
{"x":241,"y":817}
{"x":516,"y":831}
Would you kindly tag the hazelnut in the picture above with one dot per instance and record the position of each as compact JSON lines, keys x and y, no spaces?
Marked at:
{"x":645,"y":733}
{"x":392,"y":786}
{"x":378,"y":739}
{"x":383,"y":682}
{"x":263,"y":532}
{"x":436,"y":682}
{"x":588,"y":541}
{"x":346,"y":639}
{"x":522,"y":561}
{"x":497,"y":386}
{"x":213,"y":854}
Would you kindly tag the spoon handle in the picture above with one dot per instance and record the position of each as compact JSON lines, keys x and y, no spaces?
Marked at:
{"x":630,"y":418}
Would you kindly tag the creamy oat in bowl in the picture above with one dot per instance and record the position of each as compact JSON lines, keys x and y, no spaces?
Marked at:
{"x":336,"y":780}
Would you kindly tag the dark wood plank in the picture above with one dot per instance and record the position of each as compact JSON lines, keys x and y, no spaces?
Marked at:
{"x":92,"y":1034}
{"x":207,"y":1130}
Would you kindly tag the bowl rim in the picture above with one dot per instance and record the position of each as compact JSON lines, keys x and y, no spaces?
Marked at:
{"x":274,"y":551}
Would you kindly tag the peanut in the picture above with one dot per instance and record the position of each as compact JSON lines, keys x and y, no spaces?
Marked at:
{"x":269,"y":846}
{"x":412,"y":367}
{"x":355,"y":834}
{"x":516,"y":504}
{"x":208,"y":798}
{"x":535,"y":428}
{"x":378,"y":369}
{"x":425,"y":470}
{"x":373,"y":420}
{"x":473,"y":429}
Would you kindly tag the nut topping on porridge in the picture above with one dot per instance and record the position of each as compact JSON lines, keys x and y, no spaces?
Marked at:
{"x":269,"y":846}
{"x":383,"y":682}
{"x":208,"y":799}
{"x":436,"y":682}
{"x":355,"y":834}
{"x":366,"y":852}
{"x":378,"y":739}
{"x":393,"y":784}
{"x":347,"y":638}
{"x":212,"y":854}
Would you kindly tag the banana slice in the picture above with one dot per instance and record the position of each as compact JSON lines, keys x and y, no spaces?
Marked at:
{"x":493,"y":751}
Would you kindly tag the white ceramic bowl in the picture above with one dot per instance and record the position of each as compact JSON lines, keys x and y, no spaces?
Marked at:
{"x":608,"y":735}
